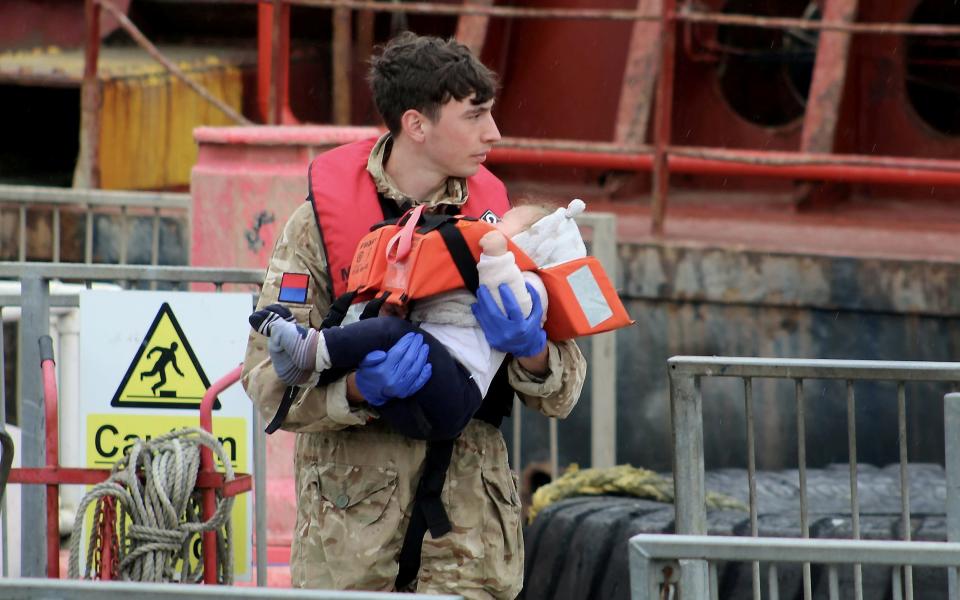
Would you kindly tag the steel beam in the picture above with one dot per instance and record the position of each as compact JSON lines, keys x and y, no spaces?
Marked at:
{"x":664,"y":119}
{"x":829,"y":75}
{"x":643,"y":63}
{"x":342,"y":65}
{"x":472,"y":29}
{"x":686,"y":412}
{"x":34,"y":322}
{"x":951,"y":430}
{"x":826,"y":88}
{"x":87,"y":172}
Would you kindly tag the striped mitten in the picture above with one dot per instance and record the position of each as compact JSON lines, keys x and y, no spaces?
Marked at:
{"x":263,"y":319}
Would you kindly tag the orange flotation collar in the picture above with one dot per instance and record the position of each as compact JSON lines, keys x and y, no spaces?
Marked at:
{"x":425,"y":255}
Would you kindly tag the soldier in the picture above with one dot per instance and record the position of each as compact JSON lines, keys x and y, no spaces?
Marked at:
{"x":376,"y":510}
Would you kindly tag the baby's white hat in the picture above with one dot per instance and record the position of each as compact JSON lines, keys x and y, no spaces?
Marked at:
{"x":555,"y":238}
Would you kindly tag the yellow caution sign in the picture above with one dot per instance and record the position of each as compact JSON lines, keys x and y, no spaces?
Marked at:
{"x":165,"y":373}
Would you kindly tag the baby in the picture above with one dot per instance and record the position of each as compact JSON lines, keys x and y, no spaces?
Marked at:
{"x":462,"y":362}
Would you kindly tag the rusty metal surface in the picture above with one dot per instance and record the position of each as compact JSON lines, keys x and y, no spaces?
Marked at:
{"x":472,"y":29}
{"x":731,"y":276}
{"x":273,"y":59}
{"x":28,"y":24}
{"x":880,"y":28}
{"x":86,"y":174}
{"x":342,"y":65}
{"x":829,"y":75}
{"x":65,"y":67}
{"x":664,"y":115}
{"x":157,"y":55}
{"x":246,"y":183}
{"x":429,"y":8}
{"x":640,"y":74}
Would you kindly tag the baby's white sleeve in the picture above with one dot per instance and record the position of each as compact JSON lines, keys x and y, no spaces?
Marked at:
{"x":496,"y":270}
{"x":536,"y":283}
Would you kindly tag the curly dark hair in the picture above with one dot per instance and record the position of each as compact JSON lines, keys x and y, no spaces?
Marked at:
{"x":423,"y":73}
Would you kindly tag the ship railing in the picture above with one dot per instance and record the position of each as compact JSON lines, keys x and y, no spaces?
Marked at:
{"x":688,"y":373}
{"x":657,"y":560}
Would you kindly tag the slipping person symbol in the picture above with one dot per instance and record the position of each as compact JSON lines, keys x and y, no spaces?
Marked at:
{"x":167,"y":356}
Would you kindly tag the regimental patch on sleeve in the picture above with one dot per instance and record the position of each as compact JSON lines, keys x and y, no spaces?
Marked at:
{"x":293,"y":287}
{"x":490,"y":217}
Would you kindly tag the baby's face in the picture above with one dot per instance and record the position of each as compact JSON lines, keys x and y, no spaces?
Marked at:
{"x":517,"y":220}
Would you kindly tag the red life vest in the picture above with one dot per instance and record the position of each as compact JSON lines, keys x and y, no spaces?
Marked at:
{"x":345,"y":203}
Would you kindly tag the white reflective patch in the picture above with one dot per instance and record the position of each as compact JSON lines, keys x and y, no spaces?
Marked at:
{"x":589,"y":295}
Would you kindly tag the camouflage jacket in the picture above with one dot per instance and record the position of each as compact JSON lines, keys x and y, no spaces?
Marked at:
{"x":356,"y":478}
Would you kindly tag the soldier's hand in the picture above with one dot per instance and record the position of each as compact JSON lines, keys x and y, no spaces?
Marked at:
{"x":508,"y":330}
{"x":397,"y":373}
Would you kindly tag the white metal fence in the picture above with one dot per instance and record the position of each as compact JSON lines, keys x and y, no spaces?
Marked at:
{"x":686,"y":372}
{"x":657,"y":560}
{"x":34,"y":301}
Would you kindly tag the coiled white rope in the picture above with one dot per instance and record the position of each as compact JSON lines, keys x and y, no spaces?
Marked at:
{"x":159,"y":511}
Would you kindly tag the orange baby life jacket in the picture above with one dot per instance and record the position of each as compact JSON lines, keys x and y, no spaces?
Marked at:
{"x":425,"y":255}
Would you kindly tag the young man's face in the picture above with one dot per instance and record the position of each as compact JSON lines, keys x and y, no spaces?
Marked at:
{"x":458,"y":141}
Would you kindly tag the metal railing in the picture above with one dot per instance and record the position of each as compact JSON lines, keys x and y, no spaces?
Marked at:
{"x":686,"y":407}
{"x":26,"y":589}
{"x":603,"y":367}
{"x":655,"y":561}
{"x":125,"y":206}
{"x":34,"y":302}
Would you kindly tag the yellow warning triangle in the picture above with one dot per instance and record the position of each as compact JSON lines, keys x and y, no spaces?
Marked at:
{"x":165,"y":373}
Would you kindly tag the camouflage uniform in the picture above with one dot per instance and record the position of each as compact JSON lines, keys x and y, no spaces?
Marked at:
{"x":356,"y":478}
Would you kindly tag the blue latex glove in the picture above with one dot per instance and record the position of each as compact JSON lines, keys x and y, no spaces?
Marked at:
{"x":510,"y":332}
{"x":397,"y":373}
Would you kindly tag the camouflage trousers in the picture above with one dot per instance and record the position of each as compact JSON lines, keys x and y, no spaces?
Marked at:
{"x":355,"y":492}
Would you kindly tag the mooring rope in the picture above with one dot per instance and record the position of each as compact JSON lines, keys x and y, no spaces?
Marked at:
{"x":159,"y":511}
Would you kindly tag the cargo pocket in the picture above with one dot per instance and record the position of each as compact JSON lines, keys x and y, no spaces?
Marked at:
{"x":503,"y":561}
{"x":359,"y":520}
{"x":306,"y":551}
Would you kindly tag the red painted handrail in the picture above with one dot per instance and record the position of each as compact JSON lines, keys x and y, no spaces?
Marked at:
{"x":48,"y":370}
{"x":207,"y":465}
